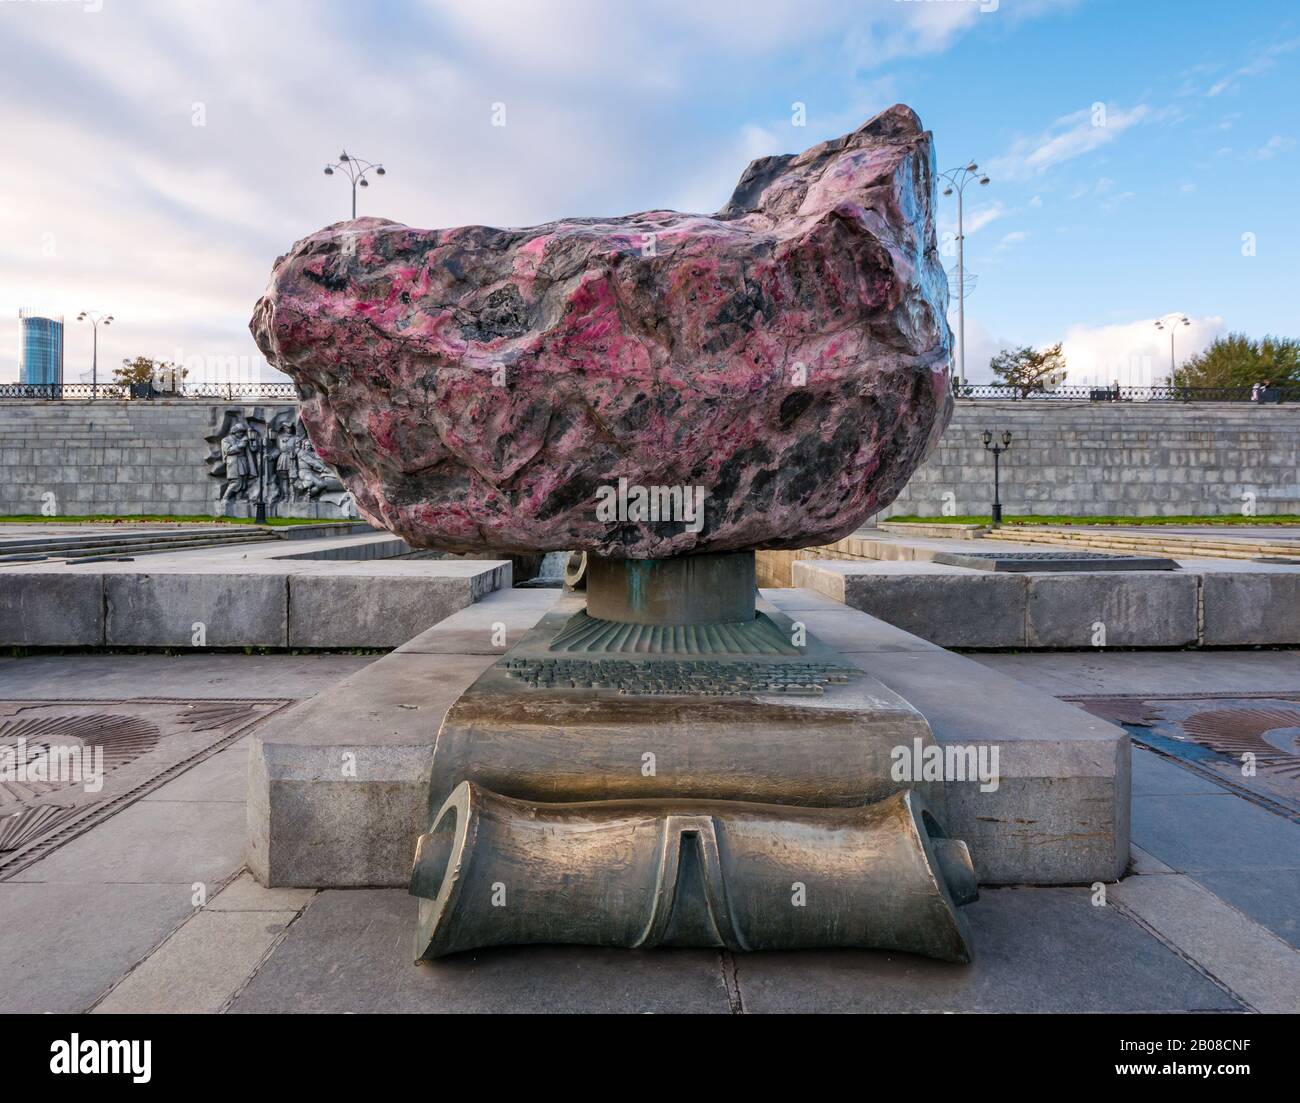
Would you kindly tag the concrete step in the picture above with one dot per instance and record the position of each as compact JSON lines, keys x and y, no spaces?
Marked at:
{"x":141,"y":543}
{"x":1170,"y":544}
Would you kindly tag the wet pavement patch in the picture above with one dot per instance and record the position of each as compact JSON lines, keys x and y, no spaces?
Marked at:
{"x":1249,"y":743}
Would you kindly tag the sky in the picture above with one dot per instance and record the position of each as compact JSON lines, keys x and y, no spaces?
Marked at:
{"x":1143,"y":154}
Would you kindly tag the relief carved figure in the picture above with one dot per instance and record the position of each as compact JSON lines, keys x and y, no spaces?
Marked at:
{"x":261,"y":455}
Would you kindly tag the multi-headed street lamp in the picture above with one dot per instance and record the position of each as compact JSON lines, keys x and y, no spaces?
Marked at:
{"x":1172,"y":322}
{"x":997,"y":453}
{"x":957,"y":181}
{"x":94,"y":317}
{"x":355,"y":168}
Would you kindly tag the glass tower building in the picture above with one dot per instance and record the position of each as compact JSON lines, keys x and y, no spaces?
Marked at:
{"x":42,"y":350}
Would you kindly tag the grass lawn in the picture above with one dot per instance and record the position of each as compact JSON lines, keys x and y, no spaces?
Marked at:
{"x":151,"y":518}
{"x":1227,"y":519}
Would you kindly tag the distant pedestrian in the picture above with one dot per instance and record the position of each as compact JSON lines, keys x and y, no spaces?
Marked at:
{"x":1255,"y":391}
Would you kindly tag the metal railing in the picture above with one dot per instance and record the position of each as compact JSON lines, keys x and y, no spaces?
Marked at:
{"x":1166,"y":393}
{"x":119,"y":391}
{"x":987,"y":391}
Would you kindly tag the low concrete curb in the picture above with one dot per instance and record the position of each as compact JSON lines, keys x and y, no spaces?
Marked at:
{"x":1207,"y":605}
{"x":325,"y":594}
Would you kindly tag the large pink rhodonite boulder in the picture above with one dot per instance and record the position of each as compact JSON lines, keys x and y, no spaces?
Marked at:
{"x":489,"y":388}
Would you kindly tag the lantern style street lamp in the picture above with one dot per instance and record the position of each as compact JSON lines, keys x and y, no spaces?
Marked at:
{"x":997,"y":451}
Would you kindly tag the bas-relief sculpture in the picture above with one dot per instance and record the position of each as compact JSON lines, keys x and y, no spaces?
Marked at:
{"x":665,"y":759}
{"x":254,"y":455}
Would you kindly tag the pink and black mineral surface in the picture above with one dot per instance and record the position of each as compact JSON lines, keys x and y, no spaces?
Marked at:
{"x":477,"y":387}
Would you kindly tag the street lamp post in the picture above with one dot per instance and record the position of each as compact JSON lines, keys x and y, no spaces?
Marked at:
{"x":259,"y":516}
{"x":957,"y":181}
{"x":356,"y":169}
{"x":94,"y":317}
{"x":997,"y":451}
{"x":1171,"y":322}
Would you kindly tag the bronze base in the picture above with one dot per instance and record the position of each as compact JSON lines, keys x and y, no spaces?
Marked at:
{"x":494,"y":871}
{"x":666,"y":766}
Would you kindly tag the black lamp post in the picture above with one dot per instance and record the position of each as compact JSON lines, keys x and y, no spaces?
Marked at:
{"x":997,"y":451}
{"x":259,"y":517}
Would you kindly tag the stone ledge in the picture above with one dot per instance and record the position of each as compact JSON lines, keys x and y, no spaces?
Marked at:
{"x":1209,"y":603}
{"x":338,"y":786}
{"x":236,"y":596}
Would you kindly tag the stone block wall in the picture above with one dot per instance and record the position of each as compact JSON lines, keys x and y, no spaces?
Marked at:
{"x":1146,"y":459}
{"x":1093,"y":459}
{"x":121,"y":457}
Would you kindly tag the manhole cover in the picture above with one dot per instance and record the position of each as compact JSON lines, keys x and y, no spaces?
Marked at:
{"x":67,"y":765}
{"x":44,"y":753}
{"x":1249,"y":743}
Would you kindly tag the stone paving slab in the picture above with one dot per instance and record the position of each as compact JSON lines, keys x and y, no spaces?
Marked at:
{"x":223,"y":777}
{"x":244,"y":894}
{"x":1036,"y":950}
{"x":1142,"y":863}
{"x":1154,"y":776}
{"x":151,"y":842}
{"x":1151,"y":673}
{"x":62,"y":945}
{"x":352,"y":951}
{"x":1240,"y":954}
{"x":201,"y":966}
{"x":208,"y":675}
{"x":1270,"y":897}
{"x":1203,"y":832}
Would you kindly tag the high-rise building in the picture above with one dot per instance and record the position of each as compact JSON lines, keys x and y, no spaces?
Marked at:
{"x":42,"y":349}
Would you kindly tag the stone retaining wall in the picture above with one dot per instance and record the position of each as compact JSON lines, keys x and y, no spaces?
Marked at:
{"x":1091,"y":459}
{"x":1146,"y":459}
{"x":75,"y":458}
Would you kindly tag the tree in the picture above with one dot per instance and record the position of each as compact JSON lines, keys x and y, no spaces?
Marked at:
{"x":1028,"y":369}
{"x":1238,"y":361}
{"x":144,"y":370}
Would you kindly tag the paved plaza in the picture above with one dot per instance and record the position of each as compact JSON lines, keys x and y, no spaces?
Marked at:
{"x":1205,"y":921}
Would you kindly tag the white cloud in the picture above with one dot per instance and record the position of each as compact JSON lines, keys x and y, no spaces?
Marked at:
{"x":1275,"y":145}
{"x":121,"y":204}
{"x":981,"y":346}
{"x":1133,"y":354}
{"x":1263,"y":61}
{"x":1015,"y":237}
{"x":1066,"y":138}
{"x":974,"y":219}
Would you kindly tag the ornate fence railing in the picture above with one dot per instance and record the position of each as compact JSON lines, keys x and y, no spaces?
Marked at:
{"x":226,"y":391}
{"x":987,"y":391}
{"x":1167,"y":393}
